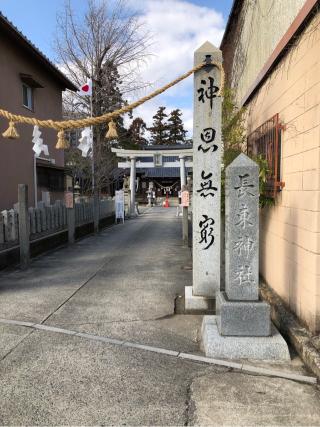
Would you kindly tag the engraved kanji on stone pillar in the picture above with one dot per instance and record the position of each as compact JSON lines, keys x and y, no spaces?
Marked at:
{"x":242,"y":229}
{"x":206,"y":173}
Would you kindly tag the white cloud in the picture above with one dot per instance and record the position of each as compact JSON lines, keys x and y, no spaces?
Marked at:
{"x":178,"y":28}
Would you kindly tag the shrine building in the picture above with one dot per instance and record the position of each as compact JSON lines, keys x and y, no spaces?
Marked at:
{"x":161,"y":169}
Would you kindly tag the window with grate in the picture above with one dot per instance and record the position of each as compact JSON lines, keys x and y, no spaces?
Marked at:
{"x":265,"y":141}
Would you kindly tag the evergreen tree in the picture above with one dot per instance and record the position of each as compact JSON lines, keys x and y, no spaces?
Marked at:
{"x":136,"y":132}
{"x":159,"y":130}
{"x":177,"y":133}
{"x":107,"y":95}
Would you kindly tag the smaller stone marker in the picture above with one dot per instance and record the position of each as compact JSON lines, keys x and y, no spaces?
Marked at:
{"x":242,"y":328}
{"x":239,"y":310}
{"x":242,"y":229}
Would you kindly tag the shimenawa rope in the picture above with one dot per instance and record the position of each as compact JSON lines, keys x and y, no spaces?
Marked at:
{"x":61,"y":126}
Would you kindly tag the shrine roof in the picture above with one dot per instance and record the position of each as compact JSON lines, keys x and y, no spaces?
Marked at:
{"x":162,"y":172}
{"x":164,"y":159}
{"x":151,"y":150}
{"x":167,"y":147}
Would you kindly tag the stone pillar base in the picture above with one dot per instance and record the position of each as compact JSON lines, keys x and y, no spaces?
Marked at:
{"x":135,"y":212}
{"x":242,"y":318}
{"x":217,"y":346}
{"x":197,"y":303}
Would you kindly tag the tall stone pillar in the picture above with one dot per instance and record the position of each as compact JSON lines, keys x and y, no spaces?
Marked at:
{"x":132,"y":185}
{"x":182,"y":171}
{"x":206,"y":180}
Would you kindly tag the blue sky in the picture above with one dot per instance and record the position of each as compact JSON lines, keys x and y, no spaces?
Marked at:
{"x":196,"y":21}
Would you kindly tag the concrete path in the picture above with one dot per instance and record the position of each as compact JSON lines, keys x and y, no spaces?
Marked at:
{"x":123,"y":284}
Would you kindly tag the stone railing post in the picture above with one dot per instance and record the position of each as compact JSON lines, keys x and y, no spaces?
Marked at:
{"x":71,"y":215}
{"x":96,"y":211}
{"x":71,"y":221}
{"x":185,"y":226}
{"x":24,"y":235}
{"x":1,"y":229}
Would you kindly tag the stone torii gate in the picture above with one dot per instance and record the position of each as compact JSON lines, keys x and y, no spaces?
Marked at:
{"x":156,"y":159}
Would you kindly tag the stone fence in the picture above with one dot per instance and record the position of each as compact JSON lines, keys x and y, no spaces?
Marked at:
{"x":47,"y":220}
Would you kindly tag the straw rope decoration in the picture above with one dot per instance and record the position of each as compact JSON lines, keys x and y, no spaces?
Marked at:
{"x":62,"y":126}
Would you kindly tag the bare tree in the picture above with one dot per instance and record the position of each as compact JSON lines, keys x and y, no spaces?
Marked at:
{"x":107,"y":44}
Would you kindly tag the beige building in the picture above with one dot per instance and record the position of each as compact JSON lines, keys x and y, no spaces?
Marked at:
{"x":272,"y":60}
{"x":32,"y":86}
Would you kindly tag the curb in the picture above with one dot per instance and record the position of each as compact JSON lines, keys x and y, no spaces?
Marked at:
{"x":293,"y":330}
{"x":179,"y":355}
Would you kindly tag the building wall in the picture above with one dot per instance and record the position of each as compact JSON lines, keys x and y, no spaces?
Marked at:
{"x":16,"y":156}
{"x":253,"y":37}
{"x":290,"y":230}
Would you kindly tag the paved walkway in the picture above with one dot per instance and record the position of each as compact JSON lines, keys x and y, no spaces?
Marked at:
{"x":123,"y":284}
